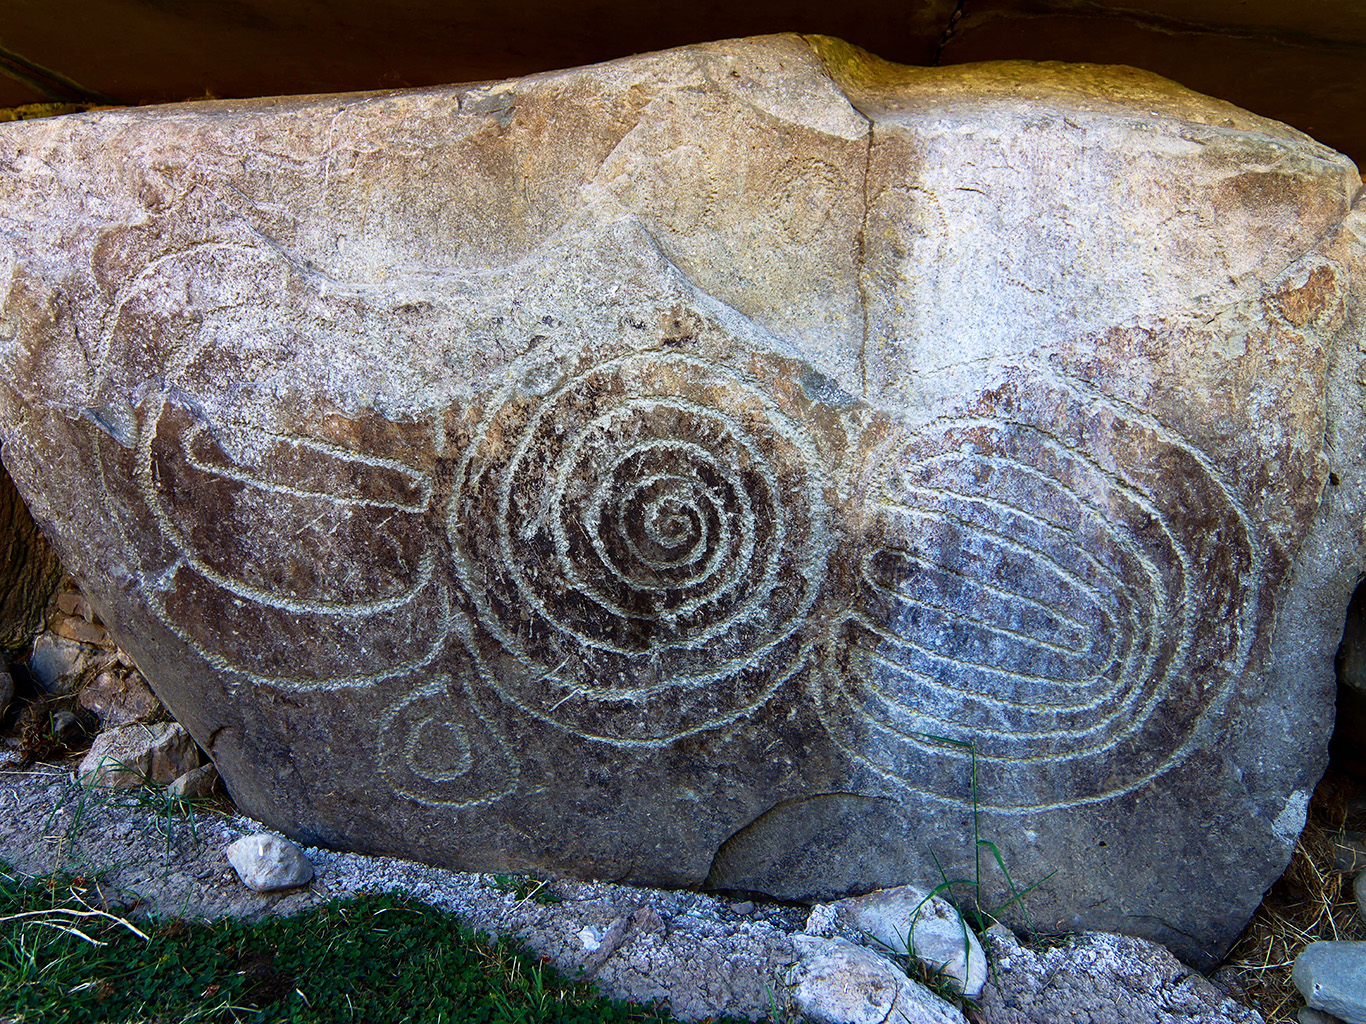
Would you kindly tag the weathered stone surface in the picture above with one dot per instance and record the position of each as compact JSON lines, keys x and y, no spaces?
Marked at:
{"x":117,"y":698}
{"x":1258,"y":53}
{"x":128,"y":756}
{"x":908,"y":921}
{"x":1100,"y":979}
{"x":72,"y":628}
{"x":1300,"y":63}
{"x":28,"y":570}
{"x":704,"y":466}
{"x":267,"y":863}
{"x":837,"y":982}
{"x":56,"y":663}
{"x":196,"y":783}
{"x":1332,"y":977}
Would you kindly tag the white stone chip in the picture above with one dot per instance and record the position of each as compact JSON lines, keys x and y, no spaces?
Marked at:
{"x":908,"y":921}
{"x":591,"y":938}
{"x":267,"y":862}
{"x":838,"y":982}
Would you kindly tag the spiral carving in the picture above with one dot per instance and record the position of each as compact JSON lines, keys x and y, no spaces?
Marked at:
{"x":642,"y":540}
{"x":1053,"y":582}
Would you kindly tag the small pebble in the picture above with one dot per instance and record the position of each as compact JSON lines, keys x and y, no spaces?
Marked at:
{"x":909,"y":921}
{"x":195,"y":783}
{"x":72,"y":603}
{"x":267,"y":862}
{"x":647,"y":919}
{"x":65,"y":725}
{"x":591,"y":938}
{"x":837,"y":982}
{"x":118,"y":698}
{"x":743,"y":908}
{"x":129,"y":755}
{"x":81,"y":631}
{"x":56,"y":663}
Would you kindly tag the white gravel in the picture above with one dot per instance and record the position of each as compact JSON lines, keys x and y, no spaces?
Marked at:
{"x":695,"y":952}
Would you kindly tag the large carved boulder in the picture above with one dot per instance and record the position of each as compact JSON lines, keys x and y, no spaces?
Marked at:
{"x":752,"y":465}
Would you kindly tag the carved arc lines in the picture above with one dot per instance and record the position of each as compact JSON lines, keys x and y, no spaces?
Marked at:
{"x":420,"y":483}
{"x":1071,"y":614}
{"x":656,"y":507}
{"x":641,"y":548}
{"x":180,"y":475}
{"x":436,"y":746}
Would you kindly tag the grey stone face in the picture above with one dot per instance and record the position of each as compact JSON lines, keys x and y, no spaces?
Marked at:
{"x":752,"y":465}
{"x":1332,"y":977}
{"x":1100,"y":977}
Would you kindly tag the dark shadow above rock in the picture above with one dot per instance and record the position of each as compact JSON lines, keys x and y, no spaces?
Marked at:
{"x":29,"y":571}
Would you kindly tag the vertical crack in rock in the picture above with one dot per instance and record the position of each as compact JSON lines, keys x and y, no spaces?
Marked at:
{"x":864,"y":304}
{"x":958,"y":13}
{"x":865,"y":197}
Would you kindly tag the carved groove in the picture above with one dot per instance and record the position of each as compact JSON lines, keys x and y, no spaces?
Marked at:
{"x":1069,"y":612}
{"x":646,"y":538}
{"x":437,"y":747}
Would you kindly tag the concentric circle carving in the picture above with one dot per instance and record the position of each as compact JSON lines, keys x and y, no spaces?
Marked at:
{"x":642,"y":540}
{"x":436,"y":746}
{"x":1056,"y":583}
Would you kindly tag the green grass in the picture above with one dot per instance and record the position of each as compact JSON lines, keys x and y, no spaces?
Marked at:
{"x":371,"y":958}
{"x":537,"y":890}
{"x":974,"y":911}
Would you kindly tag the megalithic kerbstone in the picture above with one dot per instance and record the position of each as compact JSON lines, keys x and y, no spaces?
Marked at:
{"x":752,"y":465}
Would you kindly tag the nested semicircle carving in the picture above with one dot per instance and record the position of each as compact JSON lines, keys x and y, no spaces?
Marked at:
{"x":286,"y":559}
{"x":290,"y":560}
{"x":643,"y":541}
{"x":1057,"y":582}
